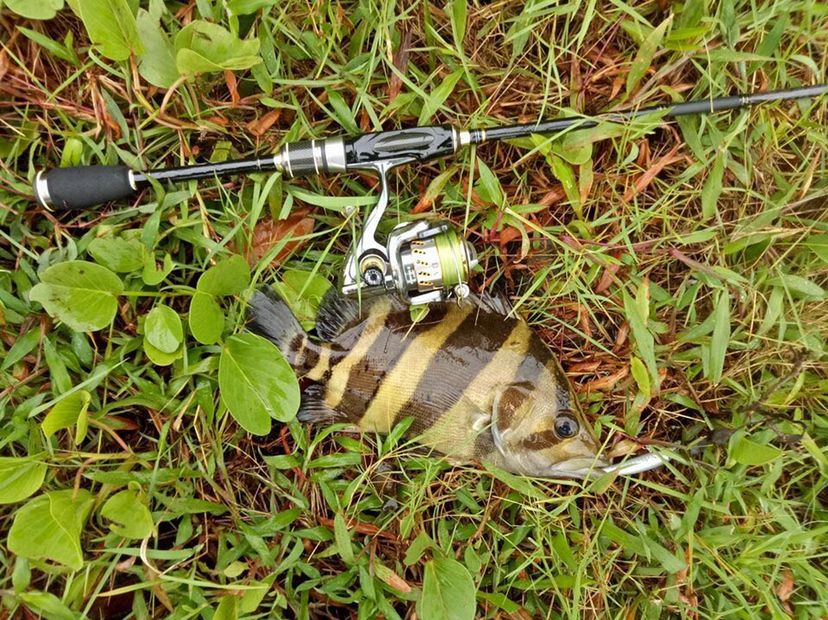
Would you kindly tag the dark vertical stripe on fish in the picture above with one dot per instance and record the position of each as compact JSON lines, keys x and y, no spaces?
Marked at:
{"x":368,"y":373}
{"x":430,"y":398}
{"x":483,"y":333}
{"x":354,"y":342}
{"x":309,"y":356}
{"x":427,"y":340}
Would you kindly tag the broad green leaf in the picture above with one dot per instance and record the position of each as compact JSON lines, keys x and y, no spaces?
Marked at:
{"x":303,"y":291}
{"x":252,"y":598}
{"x":228,"y":277}
{"x":342,"y":111}
{"x":770,"y":43}
{"x":256,"y":383}
{"x":81,"y":425}
{"x":159,"y":357}
{"x":691,"y":14}
{"x":748,"y":452}
{"x":418,"y":312}
{"x":81,"y":294}
{"x":48,"y":527}
{"x":206,"y":318}
{"x":204,"y":47}
{"x":448,"y":591}
{"x":521,"y":484}
{"x":20,"y":477}
{"x":488,"y":185}
{"x":130,"y":515}
{"x":637,"y":313}
{"x":35,"y":9}
{"x":66,"y":413}
{"x":417,"y":548}
{"x":644,"y":57}
{"x":228,"y":608}
{"x":151,"y":275}
{"x":458,"y":12}
{"x":72,"y":154}
{"x":61,"y":381}
{"x":22,"y":346}
{"x":573,"y":148}
{"x":438,"y":96}
{"x":157,"y":63}
{"x":642,"y":378}
{"x":162,"y":329}
{"x":111,"y":26}
{"x":564,"y":173}
{"x":576,"y":146}
{"x":247,"y":7}
{"x":343,"y":539}
{"x":48,"y":606}
{"x":118,"y":254}
{"x":664,"y":556}
{"x":501,"y":601}
{"x":818,"y":244}
{"x":799,"y":285}
{"x":712,"y":188}
{"x":721,"y":337}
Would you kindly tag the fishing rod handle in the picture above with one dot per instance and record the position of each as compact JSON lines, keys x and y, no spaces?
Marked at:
{"x":82,"y":187}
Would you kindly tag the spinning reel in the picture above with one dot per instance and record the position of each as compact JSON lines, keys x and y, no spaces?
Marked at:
{"x":423,"y":261}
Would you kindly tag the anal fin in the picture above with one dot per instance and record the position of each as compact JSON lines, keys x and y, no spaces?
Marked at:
{"x":314,"y":409}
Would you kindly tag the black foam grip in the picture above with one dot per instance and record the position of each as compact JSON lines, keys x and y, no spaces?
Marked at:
{"x":85,"y":186}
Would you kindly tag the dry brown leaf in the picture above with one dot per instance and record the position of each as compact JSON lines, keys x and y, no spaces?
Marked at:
{"x":785,"y":589}
{"x":400,"y":61}
{"x":4,"y":64}
{"x":392,"y":579}
{"x":232,"y":87}
{"x":508,"y":234}
{"x":607,"y":277}
{"x":269,"y":232}
{"x":621,"y":338}
{"x":553,"y":196}
{"x":260,"y":126}
{"x":584,"y":367}
{"x":604,"y":383}
{"x":645,"y":179}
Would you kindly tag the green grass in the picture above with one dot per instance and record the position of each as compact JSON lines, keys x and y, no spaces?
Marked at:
{"x":679,"y":303}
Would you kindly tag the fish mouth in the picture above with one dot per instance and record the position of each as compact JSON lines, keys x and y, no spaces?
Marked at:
{"x":593,"y":467}
{"x":580,"y":467}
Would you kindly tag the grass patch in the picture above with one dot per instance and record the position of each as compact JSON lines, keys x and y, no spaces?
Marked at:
{"x":679,"y":270}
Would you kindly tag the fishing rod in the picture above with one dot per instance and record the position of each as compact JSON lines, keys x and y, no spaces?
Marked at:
{"x":423,"y":261}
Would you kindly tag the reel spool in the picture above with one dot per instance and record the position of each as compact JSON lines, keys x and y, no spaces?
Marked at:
{"x":430,"y":262}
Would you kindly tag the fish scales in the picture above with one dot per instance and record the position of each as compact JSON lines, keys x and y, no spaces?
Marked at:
{"x":477,"y":383}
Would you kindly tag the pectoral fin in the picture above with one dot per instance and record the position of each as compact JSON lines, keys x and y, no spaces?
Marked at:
{"x":314,"y":409}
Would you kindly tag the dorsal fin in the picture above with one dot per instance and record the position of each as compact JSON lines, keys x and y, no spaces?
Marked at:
{"x":338,"y":312}
{"x":495,"y":302}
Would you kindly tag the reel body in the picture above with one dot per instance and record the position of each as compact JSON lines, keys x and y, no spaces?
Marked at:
{"x":423,"y":261}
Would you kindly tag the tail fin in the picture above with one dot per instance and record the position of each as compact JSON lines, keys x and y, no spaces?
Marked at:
{"x":270,"y":317}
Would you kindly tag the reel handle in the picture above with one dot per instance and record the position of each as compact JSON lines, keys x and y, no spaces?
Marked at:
{"x":81,"y":187}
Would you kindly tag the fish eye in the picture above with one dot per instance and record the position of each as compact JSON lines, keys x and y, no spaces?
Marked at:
{"x":566,"y":426}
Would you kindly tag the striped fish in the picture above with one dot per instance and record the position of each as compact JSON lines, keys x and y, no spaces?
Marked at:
{"x":478,"y":383}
